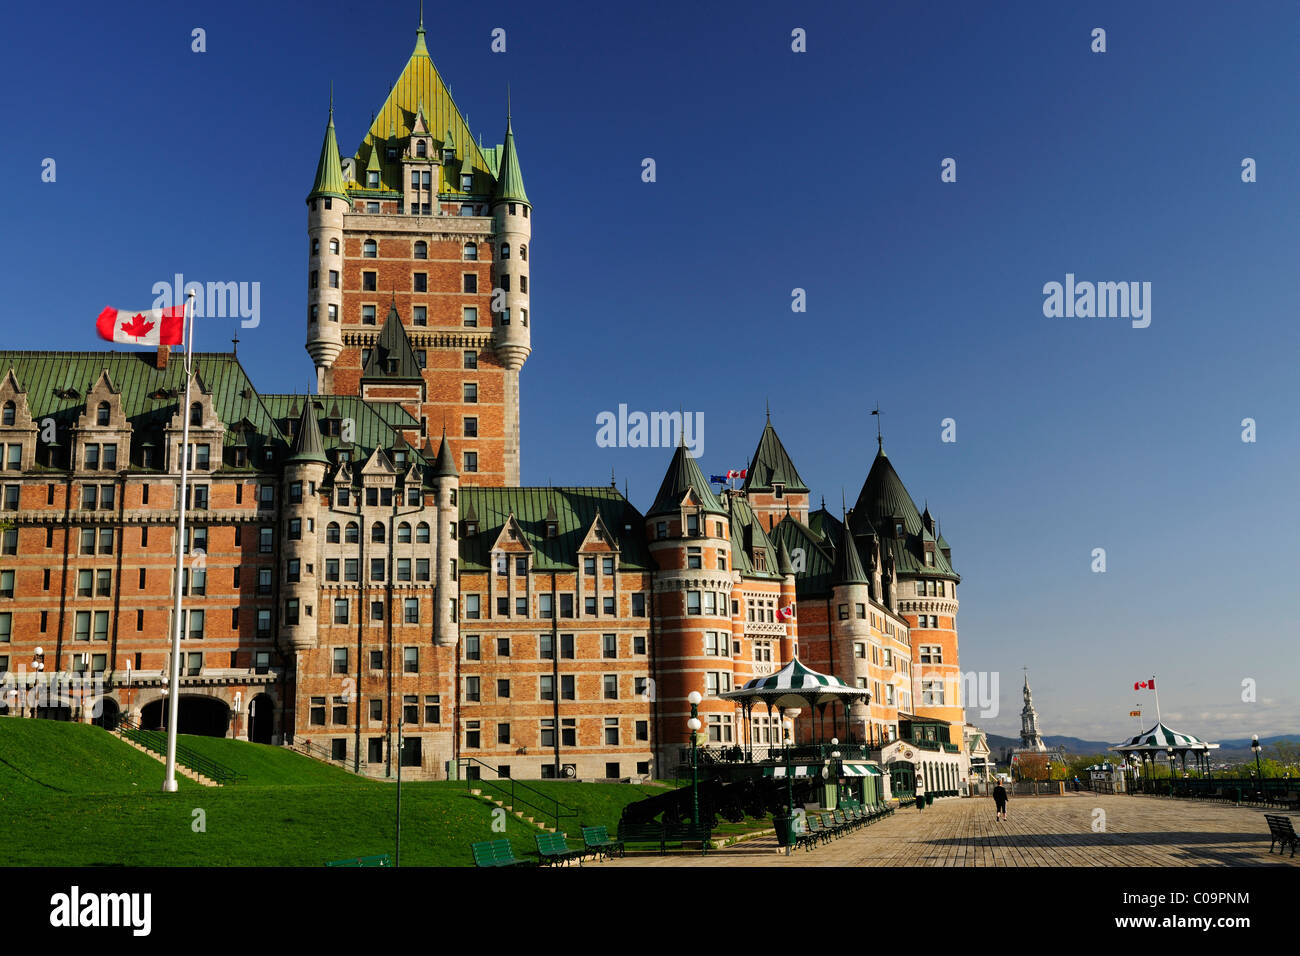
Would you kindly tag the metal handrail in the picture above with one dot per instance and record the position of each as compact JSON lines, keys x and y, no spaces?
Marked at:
{"x":156,"y":740}
{"x":558,"y":810}
{"x":314,"y":750}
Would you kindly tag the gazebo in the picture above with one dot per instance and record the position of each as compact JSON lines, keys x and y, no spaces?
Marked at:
{"x":794,"y":687}
{"x":1160,"y":739}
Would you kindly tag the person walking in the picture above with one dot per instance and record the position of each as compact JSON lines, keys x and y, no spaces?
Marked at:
{"x":920,"y":792}
{"x":1000,"y":802}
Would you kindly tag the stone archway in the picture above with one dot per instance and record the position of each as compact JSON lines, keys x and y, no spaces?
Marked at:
{"x":106,"y":713}
{"x":261,"y":719}
{"x":201,"y":716}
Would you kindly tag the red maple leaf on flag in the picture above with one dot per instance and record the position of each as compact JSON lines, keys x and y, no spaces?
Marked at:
{"x":137,"y":327}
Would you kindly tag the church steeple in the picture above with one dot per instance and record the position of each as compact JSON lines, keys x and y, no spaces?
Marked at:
{"x":1030,"y":738}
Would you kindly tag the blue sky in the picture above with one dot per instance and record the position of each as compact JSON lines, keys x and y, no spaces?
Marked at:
{"x":776,"y":171}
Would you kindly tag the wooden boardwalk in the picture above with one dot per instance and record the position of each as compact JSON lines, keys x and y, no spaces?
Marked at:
{"x":1039,"y":831}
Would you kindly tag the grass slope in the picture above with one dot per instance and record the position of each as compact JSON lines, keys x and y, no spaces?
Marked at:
{"x":72,"y":795}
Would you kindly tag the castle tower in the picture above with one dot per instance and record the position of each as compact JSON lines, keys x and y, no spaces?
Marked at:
{"x":850,"y":625}
{"x":689,"y":537}
{"x":1030,"y":738}
{"x":511,"y":216}
{"x":325,"y":207}
{"x":789,"y":642}
{"x":917,"y":580}
{"x":772,"y":482}
{"x":304,"y":471}
{"x":446,"y":487}
{"x":425,"y":221}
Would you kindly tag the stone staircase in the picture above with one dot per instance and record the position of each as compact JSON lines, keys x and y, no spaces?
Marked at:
{"x":519,"y":814}
{"x":183,"y":771}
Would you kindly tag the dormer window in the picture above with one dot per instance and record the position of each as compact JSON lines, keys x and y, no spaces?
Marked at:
{"x":8,"y":415}
{"x":448,"y":155}
{"x":778,"y":490}
{"x":101,"y":414}
{"x":929,"y":559}
{"x":391,"y":153}
{"x":466,"y":182}
{"x":421,"y":149}
{"x":372,"y":179}
{"x":552,"y":529}
{"x":471,"y":527}
{"x":196,"y":414}
{"x":898,"y":527}
{"x":692,"y":524}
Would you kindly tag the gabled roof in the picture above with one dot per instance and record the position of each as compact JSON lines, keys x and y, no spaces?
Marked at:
{"x":747,"y":533}
{"x":392,"y":345}
{"x":810,"y":556}
{"x":684,"y":475}
{"x":771,"y":464}
{"x":374,"y":424}
{"x":420,"y":84}
{"x":575,"y":510}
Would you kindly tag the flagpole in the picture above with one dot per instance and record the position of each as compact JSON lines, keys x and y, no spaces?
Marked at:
{"x":1156,"y":690}
{"x":173,"y":701}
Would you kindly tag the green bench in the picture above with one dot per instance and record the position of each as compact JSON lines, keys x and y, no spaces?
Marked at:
{"x":496,"y":853}
{"x":689,"y":833}
{"x":651,"y":832}
{"x":382,"y":859}
{"x":597,"y":841}
{"x":554,"y":848}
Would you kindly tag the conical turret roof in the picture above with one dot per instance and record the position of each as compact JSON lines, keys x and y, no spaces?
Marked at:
{"x":307,"y":445}
{"x":684,"y":475}
{"x":772,"y":465}
{"x":392,"y":356}
{"x":443,"y":466}
{"x":510,"y":181}
{"x":883,"y":498}
{"x":848,"y":563}
{"x":329,"y":173}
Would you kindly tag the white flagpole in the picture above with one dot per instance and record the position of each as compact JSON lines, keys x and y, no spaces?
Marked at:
{"x":173,"y":701}
{"x":1155,"y":690}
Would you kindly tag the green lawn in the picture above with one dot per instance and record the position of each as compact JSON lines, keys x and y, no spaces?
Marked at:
{"x":73,"y":795}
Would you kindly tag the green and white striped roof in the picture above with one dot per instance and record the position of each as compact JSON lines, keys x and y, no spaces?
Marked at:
{"x":795,"y":685}
{"x":1161,"y":737}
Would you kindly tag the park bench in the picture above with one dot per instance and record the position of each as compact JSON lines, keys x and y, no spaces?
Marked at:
{"x":817,"y":832}
{"x":831,"y":824}
{"x":598,"y":842}
{"x":496,"y":853}
{"x":651,"y":832}
{"x":1282,"y":832}
{"x":381,"y":860}
{"x":689,"y":833}
{"x":554,"y":848}
{"x":804,"y":835}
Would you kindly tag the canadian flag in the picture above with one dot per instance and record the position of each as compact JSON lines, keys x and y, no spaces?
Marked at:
{"x":145,"y":327}
{"x":787,"y":612}
{"x":1145,"y":684}
{"x":732,"y":473}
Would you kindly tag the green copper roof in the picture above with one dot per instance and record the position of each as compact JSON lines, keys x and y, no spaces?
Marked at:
{"x":882,"y":501}
{"x":684,"y":475}
{"x":443,"y":466}
{"x":373,"y":425}
{"x":813,"y":575}
{"x":848,"y":563}
{"x":306,"y":440}
{"x":771,"y":464}
{"x":747,"y":536}
{"x":329,"y":174}
{"x":783,"y":564}
{"x":574,"y":511}
{"x":57,"y":384}
{"x":392,"y":357}
{"x":510,"y":181}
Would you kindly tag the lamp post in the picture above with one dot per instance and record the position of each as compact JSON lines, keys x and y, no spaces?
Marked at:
{"x":38,"y":665}
{"x":694,"y":698}
{"x":1259,"y":773}
{"x":397,"y":858}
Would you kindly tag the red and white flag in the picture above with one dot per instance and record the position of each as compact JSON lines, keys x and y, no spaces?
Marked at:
{"x":145,"y":327}
{"x":733,"y":473}
{"x":1145,"y":684}
{"x":787,"y":612}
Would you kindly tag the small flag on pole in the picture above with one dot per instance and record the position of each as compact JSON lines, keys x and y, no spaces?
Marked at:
{"x":733,"y":473}
{"x":146,"y":327}
{"x":1145,"y":684}
{"x":720,"y":479}
{"x":787,"y":612}
{"x":1135,"y":713}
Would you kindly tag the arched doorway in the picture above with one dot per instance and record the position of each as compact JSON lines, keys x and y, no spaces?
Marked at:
{"x":106,"y":713}
{"x":202,"y":716}
{"x":261,"y":719}
{"x":902,"y":778}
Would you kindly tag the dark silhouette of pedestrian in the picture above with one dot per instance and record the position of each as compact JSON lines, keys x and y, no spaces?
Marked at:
{"x":1000,"y":802}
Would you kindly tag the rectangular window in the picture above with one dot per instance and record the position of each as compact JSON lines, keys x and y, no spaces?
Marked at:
{"x":472,"y":607}
{"x":638,"y":604}
{"x":433,"y":709}
{"x":470,"y":282}
{"x":471,"y":392}
{"x":545,"y":607}
{"x":472,"y":690}
{"x":421,"y":282}
{"x":341,"y":611}
{"x":609,"y":645}
{"x":566,"y":605}
{"x":411,"y":610}
{"x":609,"y":685}
{"x":611,"y":731}
{"x":589,"y":606}
{"x":566,"y":647}
{"x":692,"y":602}
{"x":368,"y":282}
{"x":469,"y":316}
{"x":568,"y":687}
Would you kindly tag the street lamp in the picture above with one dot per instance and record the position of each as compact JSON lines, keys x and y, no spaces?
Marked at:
{"x":38,"y":665}
{"x":1259,"y":773}
{"x":694,"y":699}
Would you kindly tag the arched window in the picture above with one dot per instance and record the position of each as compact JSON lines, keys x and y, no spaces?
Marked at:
{"x":523,"y":251}
{"x":471,"y":252}
{"x":421,"y":149}
{"x":421,"y":250}
{"x":334,"y":247}
{"x":505,"y":250}
{"x":352,"y":533}
{"x":377,"y":533}
{"x":101,"y":414}
{"x":422,"y":533}
{"x":9,"y":411}
{"x":196,"y":414}
{"x":403,"y":533}
{"x":332,"y":532}
{"x":369,"y":249}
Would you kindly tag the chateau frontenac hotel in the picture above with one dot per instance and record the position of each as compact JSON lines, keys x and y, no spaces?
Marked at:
{"x":366,"y":555}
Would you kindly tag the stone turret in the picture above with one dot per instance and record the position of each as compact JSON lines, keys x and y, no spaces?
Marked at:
{"x":512,"y":224}
{"x":304,"y":471}
{"x":326,"y":204}
{"x":850,"y":623}
{"x":446,"y":489}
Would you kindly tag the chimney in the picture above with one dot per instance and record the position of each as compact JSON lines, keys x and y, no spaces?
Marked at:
{"x":163,"y":352}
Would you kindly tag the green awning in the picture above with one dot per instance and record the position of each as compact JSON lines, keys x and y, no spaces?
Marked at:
{"x":860,"y":770}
